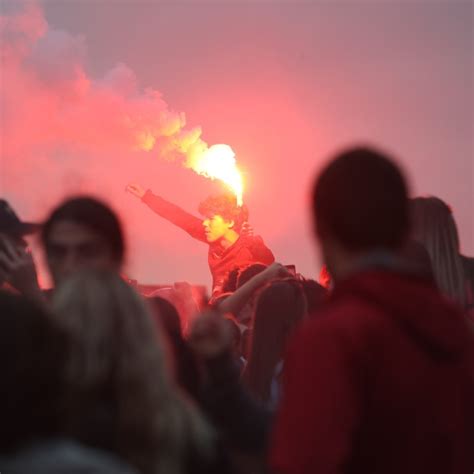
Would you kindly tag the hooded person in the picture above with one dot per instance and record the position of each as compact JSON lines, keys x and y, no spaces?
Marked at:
{"x":382,"y":379}
{"x":223,"y":229}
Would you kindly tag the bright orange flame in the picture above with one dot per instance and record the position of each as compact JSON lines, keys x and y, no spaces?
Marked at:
{"x":218,"y":162}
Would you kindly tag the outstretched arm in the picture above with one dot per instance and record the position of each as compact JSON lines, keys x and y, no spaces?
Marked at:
{"x":169,"y":211}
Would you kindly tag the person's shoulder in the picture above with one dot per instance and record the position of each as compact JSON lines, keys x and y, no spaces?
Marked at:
{"x":344,"y":310}
{"x":349,"y":320}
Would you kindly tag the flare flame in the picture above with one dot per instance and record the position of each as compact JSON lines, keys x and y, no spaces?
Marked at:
{"x":218,"y":162}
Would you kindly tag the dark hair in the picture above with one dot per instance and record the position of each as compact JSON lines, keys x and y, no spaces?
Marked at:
{"x":417,"y":258}
{"x":434,"y":226}
{"x":186,"y":369}
{"x":315,"y":294}
{"x":249,"y":272}
{"x":92,"y":214}
{"x":280,"y":307}
{"x":32,"y":352}
{"x":230,"y":283}
{"x":241,"y":275}
{"x":225,"y":205}
{"x":167,"y":315}
{"x":361,"y":198}
{"x":118,"y":377}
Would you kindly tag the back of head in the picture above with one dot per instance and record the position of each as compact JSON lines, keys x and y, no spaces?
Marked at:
{"x":249,"y":272}
{"x":434,"y":227}
{"x":225,"y":205}
{"x":360,"y":198}
{"x":280,"y":307}
{"x":31,"y":353}
{"x":117,"y":357}
{"x":167,"y":315}
{"x":94,"y":215}
{"x":112,"y":333}
{"x":185,"y":364}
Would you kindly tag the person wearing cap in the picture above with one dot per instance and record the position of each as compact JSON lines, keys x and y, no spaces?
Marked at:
{"x":17,"y":268}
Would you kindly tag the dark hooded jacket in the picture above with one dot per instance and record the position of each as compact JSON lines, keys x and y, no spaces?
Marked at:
{"x":381,"y":380}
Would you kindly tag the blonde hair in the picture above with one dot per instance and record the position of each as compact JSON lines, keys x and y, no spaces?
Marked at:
{"x":434,"y":226}
{"x":116,"y":349}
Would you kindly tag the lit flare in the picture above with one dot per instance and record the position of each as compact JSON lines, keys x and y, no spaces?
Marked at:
{"x":218,"y":162}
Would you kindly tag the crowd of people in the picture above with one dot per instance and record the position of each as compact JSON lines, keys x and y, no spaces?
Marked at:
{"x":370,"y":370}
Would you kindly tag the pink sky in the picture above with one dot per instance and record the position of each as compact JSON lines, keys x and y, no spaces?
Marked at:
{"x":284,"y":84}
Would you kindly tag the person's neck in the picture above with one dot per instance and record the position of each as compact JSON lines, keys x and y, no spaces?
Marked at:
{"x":348,"y":263}
{"x":229,"y":239}
{"x":342,"y":266}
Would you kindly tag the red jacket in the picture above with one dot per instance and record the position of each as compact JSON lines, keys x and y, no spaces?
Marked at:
{"x":380,"y":381}
{"x":247,"y":249}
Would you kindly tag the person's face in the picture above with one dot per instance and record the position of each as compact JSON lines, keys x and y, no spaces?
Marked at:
{"x":72,"y":247}
{"x":216,"y":227}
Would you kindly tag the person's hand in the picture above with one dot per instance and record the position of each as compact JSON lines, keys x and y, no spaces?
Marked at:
{"x":136,"y":190}
{"x":17,"y":267}
{"x":210,"y":336}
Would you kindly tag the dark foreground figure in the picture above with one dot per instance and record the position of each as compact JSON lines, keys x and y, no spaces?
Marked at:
{"x":381,"y":380}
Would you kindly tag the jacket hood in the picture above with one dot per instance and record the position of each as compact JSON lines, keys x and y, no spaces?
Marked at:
{"x":417,"y":306}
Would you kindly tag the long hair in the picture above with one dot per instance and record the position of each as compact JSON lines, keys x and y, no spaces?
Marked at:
{"x":185,"y":364}
{"x":117,"y":359}
{"x":280,"y":307}
{"x":434,"y":226}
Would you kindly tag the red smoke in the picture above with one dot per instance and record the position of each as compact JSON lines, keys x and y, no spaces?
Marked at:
{"x":65,"y":132}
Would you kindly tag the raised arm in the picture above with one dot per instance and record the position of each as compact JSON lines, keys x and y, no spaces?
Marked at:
{"x":169,"y":211}
{"x":235,"y":302}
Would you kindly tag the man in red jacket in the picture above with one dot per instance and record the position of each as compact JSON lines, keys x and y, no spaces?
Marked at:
{"x":221,"y":228}
{"x":381,"y":379}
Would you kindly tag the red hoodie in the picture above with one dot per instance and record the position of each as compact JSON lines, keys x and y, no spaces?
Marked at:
{"x":380,"y":381}
{"x":247,"y":249}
